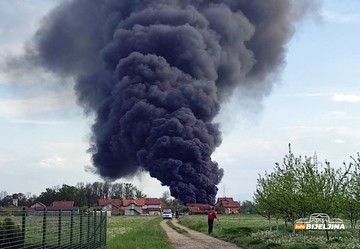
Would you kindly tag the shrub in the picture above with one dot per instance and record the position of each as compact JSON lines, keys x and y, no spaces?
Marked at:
{"x":10,"y":234}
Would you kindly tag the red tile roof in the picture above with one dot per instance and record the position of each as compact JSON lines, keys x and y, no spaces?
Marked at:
{"x":228,"y":202}
{"x":38,"y":204}
{"x":63,"y":204}
{"x":200,"y":206}
{"x":139,"y":202}
{"x":152,"y":201}
{"x":104,"y":202}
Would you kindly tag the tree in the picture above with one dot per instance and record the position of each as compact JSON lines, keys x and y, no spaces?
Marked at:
{"x":247,"y":207}
{"x":68,"y":193}
{"x":129,"y":190}
{"x":117,"y":191}
{"x":166,"y":198}
{"x":48,"y":196}
{"x":351,"y":197}
{"x":295,"y":189}
{"x":139,"y":194}
{"x":265,"y":200}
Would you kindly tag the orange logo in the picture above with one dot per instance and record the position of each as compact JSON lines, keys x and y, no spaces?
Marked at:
{"x":300,"y":226}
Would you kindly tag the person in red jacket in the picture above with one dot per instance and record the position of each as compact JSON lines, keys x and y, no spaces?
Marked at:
{"x":211,"y":216}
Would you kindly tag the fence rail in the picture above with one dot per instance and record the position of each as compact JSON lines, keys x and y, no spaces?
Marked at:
{"x":52,"y":229}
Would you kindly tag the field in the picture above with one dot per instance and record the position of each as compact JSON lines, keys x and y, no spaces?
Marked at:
{"x":252,"y":231}
{"x":247,"y":231}
{"x":138,"y":232}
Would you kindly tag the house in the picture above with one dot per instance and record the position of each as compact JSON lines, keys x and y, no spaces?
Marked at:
{"x":66,"y":206}
{"x":133,"y":207}
{"x":62,"y":204}
{"x":153,"y":206}
{"x":228,"y":206}
{"x":141,"y":206}
{"x":198,"y":208}
{"x":37,"y":204}
{"x":112,"y":205}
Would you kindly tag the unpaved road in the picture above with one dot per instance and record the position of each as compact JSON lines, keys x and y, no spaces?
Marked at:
{"x":193,"y":239}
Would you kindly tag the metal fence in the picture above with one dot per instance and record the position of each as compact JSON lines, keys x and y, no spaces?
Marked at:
{"x":52,"y":229}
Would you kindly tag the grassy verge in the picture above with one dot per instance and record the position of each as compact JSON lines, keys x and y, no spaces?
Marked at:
{"x":252,"y":232}
{"x":136,"y":232}
{"x":176,"y":228}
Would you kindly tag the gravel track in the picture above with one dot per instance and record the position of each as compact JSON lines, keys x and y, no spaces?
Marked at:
{"x":193,"y":239}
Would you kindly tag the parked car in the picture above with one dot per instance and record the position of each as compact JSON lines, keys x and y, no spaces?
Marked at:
{"x":166,"y":214}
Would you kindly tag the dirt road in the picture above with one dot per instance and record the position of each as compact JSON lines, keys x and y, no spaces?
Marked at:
{"x":192,"y":239}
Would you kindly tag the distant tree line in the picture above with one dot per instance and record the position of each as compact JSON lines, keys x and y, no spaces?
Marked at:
{"x":83,"y":194}
{"x":296,"y":189}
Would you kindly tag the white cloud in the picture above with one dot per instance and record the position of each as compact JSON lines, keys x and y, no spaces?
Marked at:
{"x":36,"y":122}
{"x":337,"y":115}
{"x":341,"y":17}
{"x":13,"y":108}
{"x":346,"y":98}
{"x":340,"y":130}
{"x":5,"y":160}
{"x":339,"y":141}
{"x":56,"y":162}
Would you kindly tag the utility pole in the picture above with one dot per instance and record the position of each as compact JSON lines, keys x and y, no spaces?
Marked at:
{"x":224,"y":190}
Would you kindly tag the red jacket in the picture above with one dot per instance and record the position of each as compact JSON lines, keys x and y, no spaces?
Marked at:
{"x":212,"y":215}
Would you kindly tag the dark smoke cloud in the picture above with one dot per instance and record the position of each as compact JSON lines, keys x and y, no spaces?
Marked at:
{"x":155,"y":72}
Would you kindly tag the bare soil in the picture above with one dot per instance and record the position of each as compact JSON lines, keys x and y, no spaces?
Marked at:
{"x":193,"y":239}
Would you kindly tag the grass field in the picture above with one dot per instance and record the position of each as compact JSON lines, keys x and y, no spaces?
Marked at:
{"x":252,"y":231}
{"x":247,"y":231}
{"x":138,"y":232}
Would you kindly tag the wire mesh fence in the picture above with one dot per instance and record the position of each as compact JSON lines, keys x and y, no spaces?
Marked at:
{"x":29,"y":229}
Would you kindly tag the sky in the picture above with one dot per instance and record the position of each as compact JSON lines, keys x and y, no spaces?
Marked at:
{"x":314,"y":106}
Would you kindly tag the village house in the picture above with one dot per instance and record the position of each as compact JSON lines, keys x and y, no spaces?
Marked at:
{"x":227,"y":205}
{"x":198,"y":208}
{"x":141,"y":206}
{"x":110,"y":205}
{"x":153,"y":206}
{"x":63,"y":206}
{"x":133,"y":207}
{"x":38,"y":205}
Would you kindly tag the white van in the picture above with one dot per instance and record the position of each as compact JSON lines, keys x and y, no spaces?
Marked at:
{"x":167,"y":214}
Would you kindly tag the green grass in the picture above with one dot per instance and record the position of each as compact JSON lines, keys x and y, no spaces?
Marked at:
{"x":252,"y":232}
{"x":138,"y":232}
{"x":176,"y":228}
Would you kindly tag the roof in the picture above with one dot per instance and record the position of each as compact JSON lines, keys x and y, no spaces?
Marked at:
{"x":104,"y":202}
{"x":62,"y":204}
{"x":54,"y":209}
{"x":38,"y":204}
{"x":199,"y":206}
{"x":198,"y":210}
{"x":152,"y":201}
{"x":139,"y":202}
{"x":228,"y":202}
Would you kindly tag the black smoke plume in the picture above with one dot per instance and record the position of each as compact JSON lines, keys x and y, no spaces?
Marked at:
{"x":155,"y":73}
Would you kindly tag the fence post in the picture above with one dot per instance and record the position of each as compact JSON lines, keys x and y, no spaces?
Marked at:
{"x":100,"y":231}
{"x":23,"y":227}
{"x":59,"y":229}
{"x":81,"y":228}
{"x":88,"y":230}
{"x":44,"y":229}
{"x":71,"y":228}
{"x":95,"y":228}
{"x":105,"y":229}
